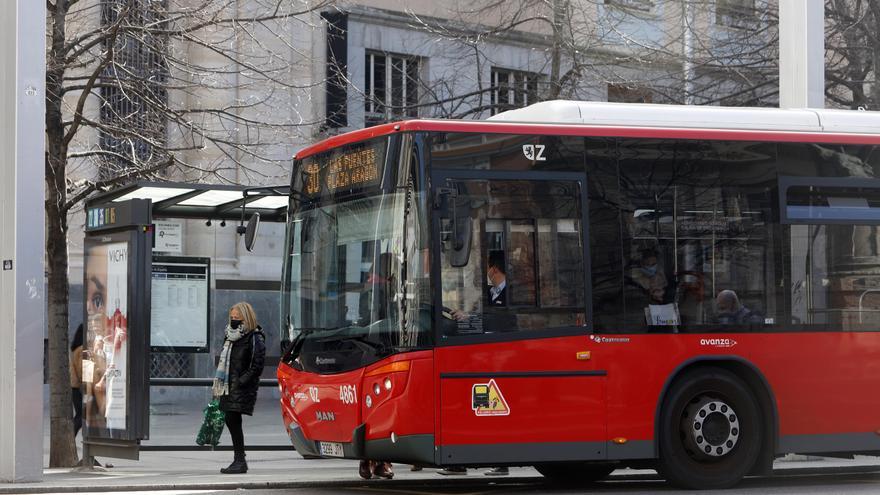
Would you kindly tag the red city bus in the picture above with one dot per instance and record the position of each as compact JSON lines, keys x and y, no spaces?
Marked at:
{"x":586,"y":286}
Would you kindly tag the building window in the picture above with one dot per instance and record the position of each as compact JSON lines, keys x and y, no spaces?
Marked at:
{"x":133,"y":91}
{"x":639,"y":5}
{"x":513,"y":89}
{"x":391,"y":87}
{"x":740,"y":14}
{"x":618,"y":93}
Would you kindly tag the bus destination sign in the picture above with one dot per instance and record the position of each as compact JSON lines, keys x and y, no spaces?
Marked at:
{"x":356,"y":168}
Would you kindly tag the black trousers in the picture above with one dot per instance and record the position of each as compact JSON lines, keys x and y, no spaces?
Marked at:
{"x":76,"y":398}
{"x":233,"y":424}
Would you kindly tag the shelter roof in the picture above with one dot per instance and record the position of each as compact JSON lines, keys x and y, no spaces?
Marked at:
{"x":205,"y":201}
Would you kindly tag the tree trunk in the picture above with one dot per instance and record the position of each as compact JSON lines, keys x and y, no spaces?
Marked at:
{"x":62,"y":449}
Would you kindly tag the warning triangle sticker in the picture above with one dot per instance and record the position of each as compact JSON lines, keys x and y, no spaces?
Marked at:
{"x":487,"y":400}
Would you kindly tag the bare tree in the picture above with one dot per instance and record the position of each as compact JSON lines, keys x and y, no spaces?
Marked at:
{"x":681,"y":51}
{"x":195,"y":89}
{"x":852,"y":48}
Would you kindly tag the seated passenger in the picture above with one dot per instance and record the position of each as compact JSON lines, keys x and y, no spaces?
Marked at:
{"x":730,"y":310}
{"x":648,"y":277}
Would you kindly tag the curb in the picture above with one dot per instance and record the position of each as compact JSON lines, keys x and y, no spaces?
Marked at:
{"x":396,"y":484}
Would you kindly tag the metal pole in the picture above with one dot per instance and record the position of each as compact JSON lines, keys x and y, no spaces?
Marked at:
{"x":22,"y":134}
{"x":801,"y":54}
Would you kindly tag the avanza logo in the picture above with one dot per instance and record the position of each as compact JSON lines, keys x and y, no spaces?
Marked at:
{"x":325,"y":416}
{"x":723,"y":343}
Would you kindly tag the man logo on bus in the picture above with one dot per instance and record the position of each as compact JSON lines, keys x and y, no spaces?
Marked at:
{"x":534,"y":152}
{"x":487,"y":400}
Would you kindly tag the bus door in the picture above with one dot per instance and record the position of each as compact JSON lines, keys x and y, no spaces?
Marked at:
{"x":516,"y":382}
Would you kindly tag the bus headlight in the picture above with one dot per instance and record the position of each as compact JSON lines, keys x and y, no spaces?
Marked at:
{"x":388,"y":384}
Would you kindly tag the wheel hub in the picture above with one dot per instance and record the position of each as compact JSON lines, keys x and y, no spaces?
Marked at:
{"x":712,"y":427}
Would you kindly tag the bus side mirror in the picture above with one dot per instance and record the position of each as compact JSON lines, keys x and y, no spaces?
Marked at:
{"x":462,"y":229}
{"x":458,"y":229}
{"x":250,"y":232}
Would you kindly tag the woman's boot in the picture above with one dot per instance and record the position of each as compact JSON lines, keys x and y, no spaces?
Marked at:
{"x":238,"y":466}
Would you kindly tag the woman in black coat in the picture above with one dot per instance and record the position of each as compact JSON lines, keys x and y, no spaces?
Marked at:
{"x":238,"y":376}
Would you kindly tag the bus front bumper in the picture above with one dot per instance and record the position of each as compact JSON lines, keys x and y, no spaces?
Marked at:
{"x":410,"y":449}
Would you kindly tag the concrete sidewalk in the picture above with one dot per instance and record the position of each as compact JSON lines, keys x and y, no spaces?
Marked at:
{"x":199,"y":470}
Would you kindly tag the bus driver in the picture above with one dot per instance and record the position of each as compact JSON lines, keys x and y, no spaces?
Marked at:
{"x":495,"y":317}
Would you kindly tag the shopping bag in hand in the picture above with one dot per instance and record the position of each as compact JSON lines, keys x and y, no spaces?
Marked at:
{"x":212,"y":425}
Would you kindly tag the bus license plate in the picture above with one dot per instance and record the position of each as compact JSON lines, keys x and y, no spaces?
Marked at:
{"x":331,"y":449}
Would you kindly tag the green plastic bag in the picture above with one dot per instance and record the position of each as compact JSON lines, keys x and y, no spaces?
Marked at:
{"x":212,"y":426}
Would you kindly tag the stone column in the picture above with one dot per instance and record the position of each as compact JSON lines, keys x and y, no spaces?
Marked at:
{"x":801,"y":54}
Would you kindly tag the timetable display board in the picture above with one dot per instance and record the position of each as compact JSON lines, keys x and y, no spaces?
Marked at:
{"x":180,"y":312}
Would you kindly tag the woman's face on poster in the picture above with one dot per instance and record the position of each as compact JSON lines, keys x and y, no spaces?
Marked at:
{"x":96,"y":288}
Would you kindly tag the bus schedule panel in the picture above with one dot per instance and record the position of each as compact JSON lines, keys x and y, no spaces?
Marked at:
{"x":180,"y":304}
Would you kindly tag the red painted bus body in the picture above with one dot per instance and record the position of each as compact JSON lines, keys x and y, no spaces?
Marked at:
{"x":587,"y":398}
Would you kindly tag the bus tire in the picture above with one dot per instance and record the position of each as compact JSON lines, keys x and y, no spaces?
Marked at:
{"x":710,"y":430}
{"x":575,"y":473}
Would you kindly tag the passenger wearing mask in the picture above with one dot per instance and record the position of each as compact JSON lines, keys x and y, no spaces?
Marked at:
{"x":649,"y":278}
{"x":730,"y":311}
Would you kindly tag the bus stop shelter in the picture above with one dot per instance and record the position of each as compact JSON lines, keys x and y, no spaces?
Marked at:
{"x":141,"y":292}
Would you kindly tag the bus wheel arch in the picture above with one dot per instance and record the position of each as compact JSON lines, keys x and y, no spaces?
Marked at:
{"x":757,"y":385}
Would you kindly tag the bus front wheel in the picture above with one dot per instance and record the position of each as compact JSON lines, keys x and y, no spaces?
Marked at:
{"x":710,"y":430}
{"x":574,"y":473}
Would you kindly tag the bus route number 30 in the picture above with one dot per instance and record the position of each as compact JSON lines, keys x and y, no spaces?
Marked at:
{"x":348,"y":394}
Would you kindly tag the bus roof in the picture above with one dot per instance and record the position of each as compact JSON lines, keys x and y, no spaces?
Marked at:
{"x":695,"y":117}
{"x":646,"y":120}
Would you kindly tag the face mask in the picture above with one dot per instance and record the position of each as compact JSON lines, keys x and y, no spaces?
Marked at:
{"x":649,"y":270}
{"x":234,"y":324}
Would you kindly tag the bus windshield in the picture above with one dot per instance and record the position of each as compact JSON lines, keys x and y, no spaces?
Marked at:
{"x":345,"y":290}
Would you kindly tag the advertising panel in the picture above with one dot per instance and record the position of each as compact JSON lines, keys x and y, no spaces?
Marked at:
{"x":116,"y":315}
{"x":105,"y":350}
{"x":180,"y":304}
